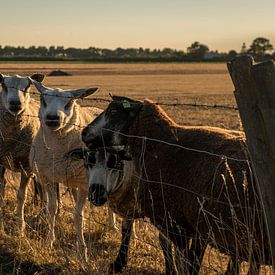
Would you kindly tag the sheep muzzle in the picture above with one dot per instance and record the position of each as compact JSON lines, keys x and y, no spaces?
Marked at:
{"x":52,"y":121}
{"x":97,"y":194}
{"x":15,"y":107}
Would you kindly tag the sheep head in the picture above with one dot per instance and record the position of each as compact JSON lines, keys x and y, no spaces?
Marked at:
{"x":104,"y":169}
{"x":15,"y":92}
{"x":58,"y":107}
{"x":110,"y":127}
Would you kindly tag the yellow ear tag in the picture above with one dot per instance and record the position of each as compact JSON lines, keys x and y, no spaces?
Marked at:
{"x":74,"y":159}
{"x":126,"y":104}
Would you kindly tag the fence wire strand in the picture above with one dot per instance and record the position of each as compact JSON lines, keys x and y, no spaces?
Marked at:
{"x":168,"y":104}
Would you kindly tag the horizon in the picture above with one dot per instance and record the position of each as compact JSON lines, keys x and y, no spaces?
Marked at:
{"x":156,"y":24}
{"x":113,"y":49}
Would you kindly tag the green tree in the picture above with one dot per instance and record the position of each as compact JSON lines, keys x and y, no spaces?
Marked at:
{"x":197,"y":50}
{"x":260,"y":46}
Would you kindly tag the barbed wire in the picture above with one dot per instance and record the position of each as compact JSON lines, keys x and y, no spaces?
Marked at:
{"x":168,"y":104}
{"x":150,"y":139}
{"x":175,"y":145}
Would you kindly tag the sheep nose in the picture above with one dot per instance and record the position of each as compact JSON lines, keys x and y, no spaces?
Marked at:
{"x":15,"y":106}
{"x":52,"y":121}
{"x":15,"y":103}
{"x":52,"y":117}
{"x":97,"y":194}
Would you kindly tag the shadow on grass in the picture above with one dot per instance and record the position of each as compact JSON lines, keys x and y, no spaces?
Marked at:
{"x":9,"y":264}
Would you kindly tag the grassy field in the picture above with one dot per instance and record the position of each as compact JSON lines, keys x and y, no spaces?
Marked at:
{"x":174,"y":83}
{"x":166,"y":83}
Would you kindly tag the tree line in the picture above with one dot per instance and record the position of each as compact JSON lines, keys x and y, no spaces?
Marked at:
{"x":260,"y":49}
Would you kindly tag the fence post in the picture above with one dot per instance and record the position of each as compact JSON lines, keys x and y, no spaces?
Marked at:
{"x":255,"y":96}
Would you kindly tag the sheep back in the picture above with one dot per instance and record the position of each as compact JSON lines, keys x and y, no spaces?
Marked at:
{"x":214,"y":194}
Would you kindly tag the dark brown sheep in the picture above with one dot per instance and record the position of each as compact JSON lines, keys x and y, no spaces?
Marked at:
{"x":104,"y":164}
{"x":192,"y":181}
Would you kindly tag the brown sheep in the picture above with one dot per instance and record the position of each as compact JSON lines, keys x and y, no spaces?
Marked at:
{"x":191,"y":181}
{"x":102,"y":166}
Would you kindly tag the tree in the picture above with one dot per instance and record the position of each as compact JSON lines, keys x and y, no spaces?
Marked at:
{"x":197,"y":50}
{"x":260,"y":46}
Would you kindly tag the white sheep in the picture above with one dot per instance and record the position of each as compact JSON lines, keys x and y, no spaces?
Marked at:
{"x":62,"y":120}
{"x":18,"y":127}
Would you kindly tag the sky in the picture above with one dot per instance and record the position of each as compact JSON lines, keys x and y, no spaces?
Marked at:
{"x":220,"y":24}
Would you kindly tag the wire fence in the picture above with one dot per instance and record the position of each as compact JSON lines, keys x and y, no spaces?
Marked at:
{"x":168,"y":104}
{"x":249,"y":215}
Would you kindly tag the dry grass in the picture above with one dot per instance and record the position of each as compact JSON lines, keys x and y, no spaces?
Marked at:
{"x":188,"y":83}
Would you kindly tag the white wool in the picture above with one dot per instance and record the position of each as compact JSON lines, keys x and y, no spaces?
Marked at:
{"x":49,"y":148}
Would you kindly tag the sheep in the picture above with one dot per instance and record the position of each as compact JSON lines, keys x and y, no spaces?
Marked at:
{"x":96,"y":165}
{"x":191,"y":181}
{"x":18,"y":127}
{"x":62,"y":120}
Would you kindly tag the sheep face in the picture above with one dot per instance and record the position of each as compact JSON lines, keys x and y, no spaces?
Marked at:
{"x":110,"y":127}
{"x":15,"y":92}
{"x":58,"y":107}
{"x":105,"y":172}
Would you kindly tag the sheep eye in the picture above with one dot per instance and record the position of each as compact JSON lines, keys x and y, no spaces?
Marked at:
{"x":43,"y":102}
{"x":26,"y":89}
{"x":112,"y":161}
{"x":69,"y":105}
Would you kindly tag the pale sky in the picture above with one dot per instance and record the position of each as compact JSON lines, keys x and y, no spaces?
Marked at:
{"x":220,"y":24}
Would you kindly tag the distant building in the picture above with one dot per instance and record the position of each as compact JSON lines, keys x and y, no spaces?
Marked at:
{"x":211,"y":55}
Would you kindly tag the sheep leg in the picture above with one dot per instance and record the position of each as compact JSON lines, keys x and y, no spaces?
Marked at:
{"x":183,"y":263}
{"x":52,"y":212}
{"x":254,"y":268}
{"x":2,"y":195}
{"x":166,"y":246}
{"x":196,"y":253}
{"x":112,"y":219}
{"x":21,"y":197}
{"x":233,"y":267}
{"x":74,"y":193}
{"x":57,"y":190}
{"x":122,"y":257}
{"x":78,"y":223}
{"x":38,"y":192}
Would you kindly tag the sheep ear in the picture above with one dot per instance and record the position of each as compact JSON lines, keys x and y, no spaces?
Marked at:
{"x":81,"y":93}
{"x":41,"y":89}
{"x":38,"y":77}
{"x":128,"y":104}
{"x":76,"y":154}
{"x":125,"y":100}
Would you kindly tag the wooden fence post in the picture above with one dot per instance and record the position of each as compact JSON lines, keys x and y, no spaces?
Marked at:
{"x":255,"y":96}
